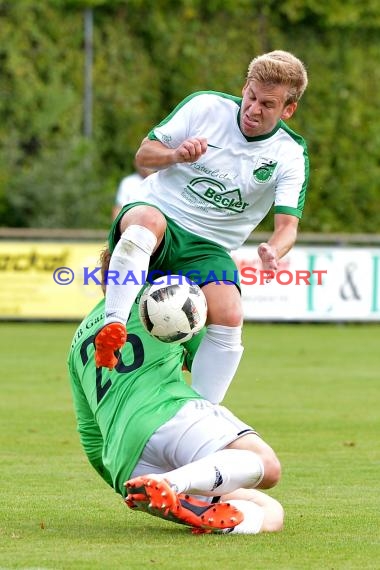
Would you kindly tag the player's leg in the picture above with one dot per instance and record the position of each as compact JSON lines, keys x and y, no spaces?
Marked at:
{"x":142,"y":229}
{"x":209,"y":451}
{"x":262,"y":513}
{"x":248,"y":462}
{"x":156,"y":496}
{"x":255,"y":444}
{"x":195,"y":442}
{"x":220,"y":351}
{"x":244,"y":511}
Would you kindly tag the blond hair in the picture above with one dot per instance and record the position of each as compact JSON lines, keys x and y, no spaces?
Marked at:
{"x":279,"y":68}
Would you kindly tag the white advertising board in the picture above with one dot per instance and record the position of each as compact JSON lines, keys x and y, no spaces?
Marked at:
{"x":313,"y":283}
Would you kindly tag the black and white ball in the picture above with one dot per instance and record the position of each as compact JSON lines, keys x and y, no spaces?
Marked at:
{"x":173,"y":309}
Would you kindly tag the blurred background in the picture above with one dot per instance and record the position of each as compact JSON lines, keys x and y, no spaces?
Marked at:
{"x":83,"y":81}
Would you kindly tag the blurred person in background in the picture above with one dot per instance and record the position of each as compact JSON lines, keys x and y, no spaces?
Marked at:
{"x":127,"y":188}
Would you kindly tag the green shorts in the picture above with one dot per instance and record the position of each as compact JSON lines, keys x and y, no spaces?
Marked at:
{"x":186,"y":254}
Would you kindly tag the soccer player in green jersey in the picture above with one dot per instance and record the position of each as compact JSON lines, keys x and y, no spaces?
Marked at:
{"x":161,"y":446}
{"x":222,"y":162}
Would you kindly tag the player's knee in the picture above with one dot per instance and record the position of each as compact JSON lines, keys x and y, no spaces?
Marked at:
{"x":155,"y":221}
{"x":147,"y":217}
{"x":234,"y":317}
{"x":272,"y":471}
{"x":224,"y":305}
{"x":228,"y":316}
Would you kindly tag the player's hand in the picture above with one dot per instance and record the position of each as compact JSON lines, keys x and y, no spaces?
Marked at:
{"x":191,"y":150}
{"x":268,"y":256}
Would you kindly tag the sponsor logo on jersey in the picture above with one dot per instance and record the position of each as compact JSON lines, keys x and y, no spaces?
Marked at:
{"x":264,"y":170}
{"x":216,"y":194}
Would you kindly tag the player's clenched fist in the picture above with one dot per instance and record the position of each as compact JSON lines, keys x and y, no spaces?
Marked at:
{"x":190,"y":150}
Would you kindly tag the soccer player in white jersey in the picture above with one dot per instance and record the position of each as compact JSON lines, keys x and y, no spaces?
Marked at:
{"x":222,"y":162}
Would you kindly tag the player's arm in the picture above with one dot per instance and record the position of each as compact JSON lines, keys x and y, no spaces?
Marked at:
{"x":90,"y":435}
{"x":154,"y":154}
{"x":280,"y":242}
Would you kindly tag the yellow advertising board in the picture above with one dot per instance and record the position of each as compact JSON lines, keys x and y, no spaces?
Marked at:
{"x":48,"y":280}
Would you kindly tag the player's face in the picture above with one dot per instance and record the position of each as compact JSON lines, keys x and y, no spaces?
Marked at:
{"x":262,"y":107}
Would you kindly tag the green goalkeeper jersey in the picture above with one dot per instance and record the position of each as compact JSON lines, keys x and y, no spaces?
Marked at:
{"x":117,"y":411}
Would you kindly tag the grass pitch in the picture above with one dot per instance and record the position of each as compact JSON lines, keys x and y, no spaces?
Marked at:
{"x":312,"y":391}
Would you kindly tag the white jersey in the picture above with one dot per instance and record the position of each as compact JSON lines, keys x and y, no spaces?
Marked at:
{"x":225,"y":194}
{"x":126,"y":189}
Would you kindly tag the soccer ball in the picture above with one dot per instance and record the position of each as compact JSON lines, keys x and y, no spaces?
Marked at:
{"x":173,"y":309}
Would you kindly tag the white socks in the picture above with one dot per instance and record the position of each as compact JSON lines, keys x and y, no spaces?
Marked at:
{"x":129,"y":260}
{"x":253,"y":517}
{"x":218,"y":474}
{"x":216,"y":362}
{"x":221,"y":473}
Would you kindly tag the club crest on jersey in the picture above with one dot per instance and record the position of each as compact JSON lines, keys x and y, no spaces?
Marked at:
{"x":216,"y":194}
{"x":264,"y":170}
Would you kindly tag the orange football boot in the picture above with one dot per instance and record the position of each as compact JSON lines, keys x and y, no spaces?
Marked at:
{"x":107,"y":341}
{"x":156,"y":497}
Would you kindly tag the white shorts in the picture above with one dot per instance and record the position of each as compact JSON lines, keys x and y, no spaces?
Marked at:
{"x":197,"y":430}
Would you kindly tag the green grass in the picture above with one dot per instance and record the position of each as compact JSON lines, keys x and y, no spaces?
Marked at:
{"x":312,"y":391}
